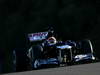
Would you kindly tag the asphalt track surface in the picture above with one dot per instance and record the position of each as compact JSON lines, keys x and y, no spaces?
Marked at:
{"x":84,"y":69}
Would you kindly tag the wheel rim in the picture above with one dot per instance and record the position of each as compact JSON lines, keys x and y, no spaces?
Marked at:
{"x":36,"y":64}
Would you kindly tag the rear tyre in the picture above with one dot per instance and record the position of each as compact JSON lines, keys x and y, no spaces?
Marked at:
{"x":36,"y":64}
{"x":36,"y":54}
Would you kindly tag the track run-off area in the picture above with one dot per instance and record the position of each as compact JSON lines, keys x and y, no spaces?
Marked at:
{"x":83,"y":69}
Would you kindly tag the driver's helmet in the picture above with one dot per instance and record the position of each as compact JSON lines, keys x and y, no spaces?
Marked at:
{"x":51,"y":40}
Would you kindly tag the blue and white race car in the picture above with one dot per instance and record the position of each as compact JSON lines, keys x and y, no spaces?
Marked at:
{"x":50,"y":51}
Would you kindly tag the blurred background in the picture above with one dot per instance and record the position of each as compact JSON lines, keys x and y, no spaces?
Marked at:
{"x":71,"y":19}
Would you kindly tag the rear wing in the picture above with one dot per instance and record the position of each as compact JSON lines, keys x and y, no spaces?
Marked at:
{"x":37,"y":36}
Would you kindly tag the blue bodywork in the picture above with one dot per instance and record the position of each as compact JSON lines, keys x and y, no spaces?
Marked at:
{"x":84,"y":57}
{"x":48,"y":61}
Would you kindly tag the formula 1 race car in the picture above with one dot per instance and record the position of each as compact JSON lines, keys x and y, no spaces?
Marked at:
{"x":50,"y":51}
